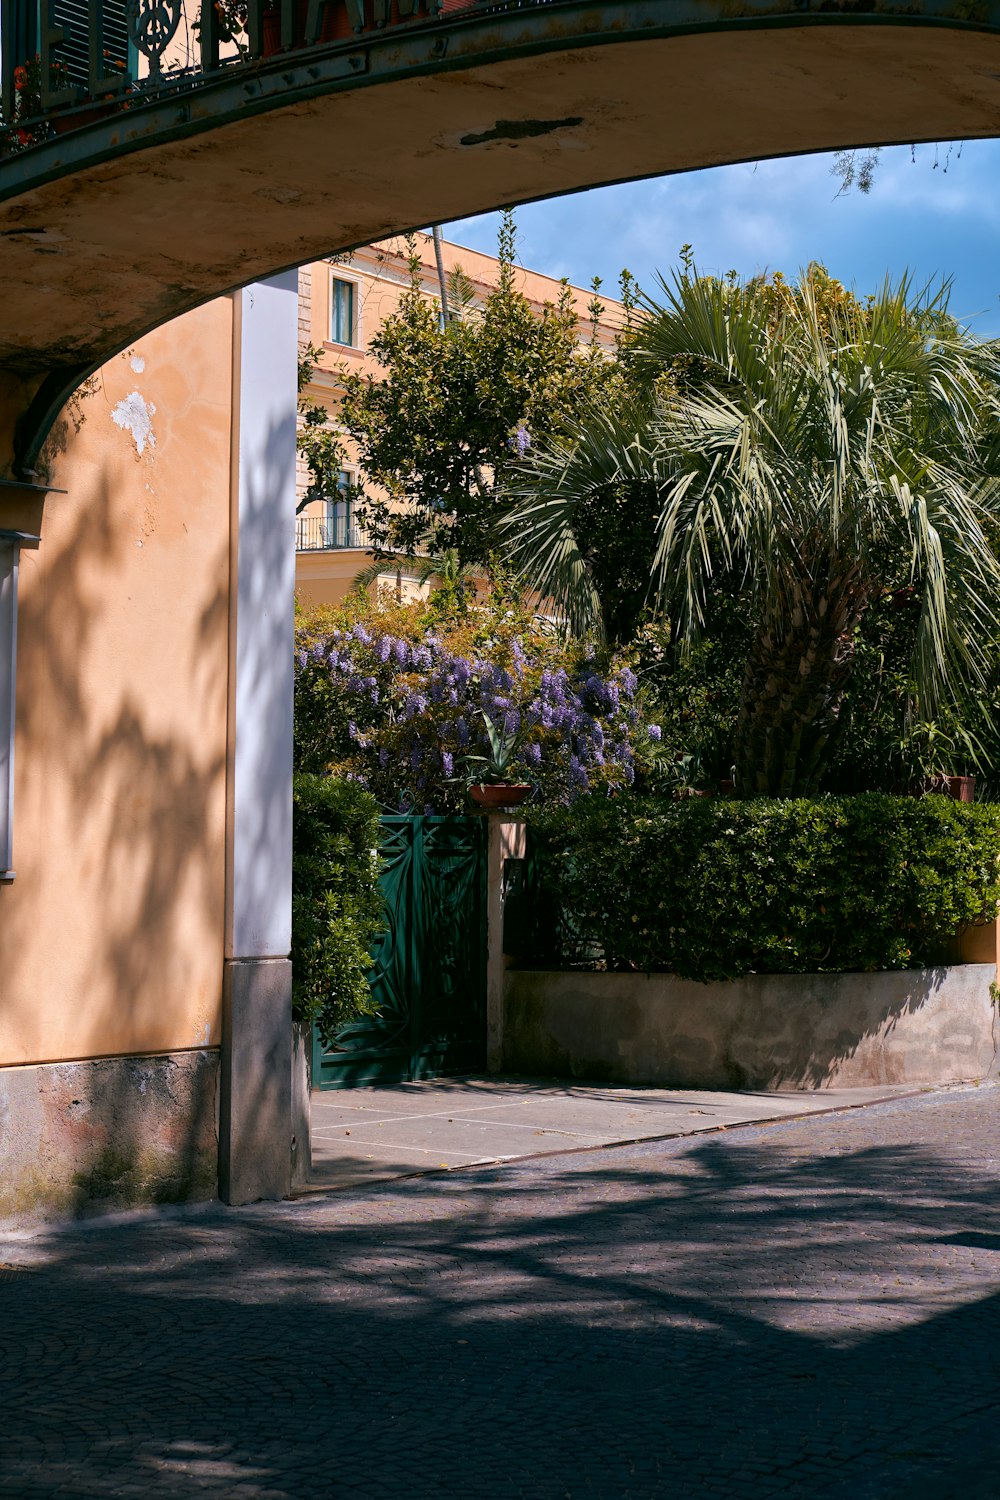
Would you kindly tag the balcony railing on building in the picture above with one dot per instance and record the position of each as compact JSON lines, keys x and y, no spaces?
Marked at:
{"x":327,"y":533}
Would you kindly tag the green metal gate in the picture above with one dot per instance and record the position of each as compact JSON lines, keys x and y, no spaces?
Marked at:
{"x":429,"y":971}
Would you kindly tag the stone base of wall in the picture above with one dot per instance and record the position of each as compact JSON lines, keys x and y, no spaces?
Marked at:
{"x":784,"y":1031}
{"x":79,"y":1138}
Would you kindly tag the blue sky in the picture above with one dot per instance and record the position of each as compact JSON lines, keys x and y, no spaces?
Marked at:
{"x":932,"y":220}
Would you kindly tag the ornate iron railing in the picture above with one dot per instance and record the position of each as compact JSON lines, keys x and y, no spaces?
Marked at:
{"x":428,"y":977}
{"x":327,"y":533}
{"x":538,"y":932}
{"x":57,"y":69}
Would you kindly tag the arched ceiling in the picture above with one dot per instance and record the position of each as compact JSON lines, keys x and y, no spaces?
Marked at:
{"x":116,"y":227}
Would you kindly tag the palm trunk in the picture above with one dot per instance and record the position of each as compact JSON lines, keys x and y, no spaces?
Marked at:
{"x":442,"y":278}
{"x":793,"y":686}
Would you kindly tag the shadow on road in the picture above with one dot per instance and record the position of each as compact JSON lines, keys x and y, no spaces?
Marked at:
{"x":776,"y":1312}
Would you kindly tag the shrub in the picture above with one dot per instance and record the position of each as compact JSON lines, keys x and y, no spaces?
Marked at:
{"x":712,"y":889}
{"x":397,"y":699}
{"x":336,"y":902}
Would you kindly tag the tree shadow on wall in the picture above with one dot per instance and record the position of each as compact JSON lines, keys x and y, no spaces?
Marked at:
{"x":112,"y":932}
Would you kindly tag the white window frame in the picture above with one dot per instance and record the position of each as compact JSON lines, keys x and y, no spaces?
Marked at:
{"x":350,"y":476}
{"x":337,"y":275}
{"x":11,"y":543}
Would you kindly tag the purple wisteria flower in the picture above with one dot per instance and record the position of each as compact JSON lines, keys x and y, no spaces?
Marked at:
{"x":408,"y":726}
{"x":655,"y":733}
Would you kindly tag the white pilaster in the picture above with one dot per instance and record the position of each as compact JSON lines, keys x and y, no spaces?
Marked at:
{"x":255,"y":1121}
{"x":260,"y":678}
{"x":9,"y":550}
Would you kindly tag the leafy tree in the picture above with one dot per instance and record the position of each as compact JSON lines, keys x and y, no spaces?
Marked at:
{"x":801,"y":444}
{"x":458,"y":403}
{"x":321,"y":448}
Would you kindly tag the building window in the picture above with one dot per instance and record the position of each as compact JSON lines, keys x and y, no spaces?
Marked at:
{"x":117,"y":54}
{"x":336,"y":529}
{"x":342,"y":312}
{"x":340,"y":526}
{"x":10,"y":549}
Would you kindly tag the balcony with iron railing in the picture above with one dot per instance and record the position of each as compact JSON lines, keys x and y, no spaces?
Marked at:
{"x":336,"y":533}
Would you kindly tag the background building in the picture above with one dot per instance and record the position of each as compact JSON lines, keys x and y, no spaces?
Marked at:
{"x":342,"y":303}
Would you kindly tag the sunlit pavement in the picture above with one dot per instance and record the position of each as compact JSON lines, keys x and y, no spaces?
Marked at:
{"x":369,"y":1134}
{"x":808,"y":1308}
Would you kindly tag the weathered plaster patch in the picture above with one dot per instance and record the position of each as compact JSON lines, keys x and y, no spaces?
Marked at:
{"x":134,"y":416}
{"x":112,"y":1133}
{"x":138,"y":363}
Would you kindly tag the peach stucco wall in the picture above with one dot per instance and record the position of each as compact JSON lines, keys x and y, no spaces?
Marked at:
{"x":111,"y":935}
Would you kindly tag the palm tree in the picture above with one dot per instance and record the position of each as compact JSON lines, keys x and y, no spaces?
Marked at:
{"x":446,"y":568}
{"x":797,"y":441}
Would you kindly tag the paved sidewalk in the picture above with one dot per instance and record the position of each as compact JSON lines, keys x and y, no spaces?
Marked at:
{"x":809,"y":1309}
{"x":371,"y":1134}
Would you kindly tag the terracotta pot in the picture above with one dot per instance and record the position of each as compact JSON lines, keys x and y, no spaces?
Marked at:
{"x":959,"y":788}
{"x":62,"y":124}
{"x":499,"y":793}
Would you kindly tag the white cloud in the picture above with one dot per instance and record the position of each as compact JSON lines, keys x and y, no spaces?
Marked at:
{"x":782,"y":214}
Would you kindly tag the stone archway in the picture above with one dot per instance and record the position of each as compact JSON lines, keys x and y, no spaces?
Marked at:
{"x":226,"y":178}
{"x":230,"y":175}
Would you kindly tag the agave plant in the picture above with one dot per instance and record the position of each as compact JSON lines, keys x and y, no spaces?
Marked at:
{"x":798,"y":441}
{"x":500,"y":766}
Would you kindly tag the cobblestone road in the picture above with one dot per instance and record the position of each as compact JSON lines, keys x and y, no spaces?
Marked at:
{"x":808,"y":1309}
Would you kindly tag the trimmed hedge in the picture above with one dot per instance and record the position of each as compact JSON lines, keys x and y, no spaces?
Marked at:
{"x":713,"y":889}
{"x":336,"y":902}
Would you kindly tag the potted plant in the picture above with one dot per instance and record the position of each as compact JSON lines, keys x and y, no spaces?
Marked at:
{"x":491,"y":778}
{"x":30,"y":125}
{"x":931,"y":750}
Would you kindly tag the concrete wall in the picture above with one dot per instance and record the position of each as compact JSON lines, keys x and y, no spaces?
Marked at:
{"x":94,"y":1136}
{"x":762,"y":1032}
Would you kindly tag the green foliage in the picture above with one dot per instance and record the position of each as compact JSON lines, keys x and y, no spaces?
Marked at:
{"x":323,"y":451}
{"x":500,"y":763}
{"x":406,"y":699}
{"x":789,"y":442}
{"x":336,"y":902}
{"x":882,"y":742}
{"x":454,"y":406}
{"x":713,"y":889}
{"x":693,"y":695}
{"x":885,"y":743}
